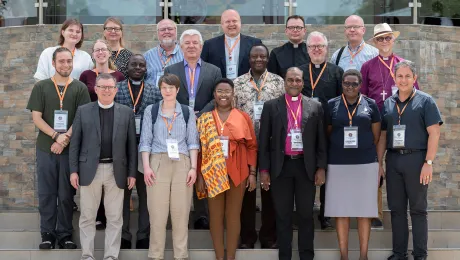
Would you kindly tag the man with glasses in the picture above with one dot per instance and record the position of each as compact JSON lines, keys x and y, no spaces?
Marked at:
{"x":292,"y":53}
{"x":322,"y":82}
{"x":356,"y":52}
{"x":231,"y":47}
{"x":103,"y":160}
{"x":166,"y":53}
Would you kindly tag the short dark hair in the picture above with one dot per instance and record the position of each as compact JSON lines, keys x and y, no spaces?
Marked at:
{"x":259,"y":45}
{"x":106,"y":76}
{"x":225,"y":80}
{"x":169,"y":79}
{"x":292,"y":69}
{"x":353,"y":72}
{"x":60,"y":49}
{"x":65,"y":25}
{"x":295,"y":17}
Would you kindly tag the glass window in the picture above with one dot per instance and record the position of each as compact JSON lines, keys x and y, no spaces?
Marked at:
{"x":17,"y":13}
{"x":440,"y":12}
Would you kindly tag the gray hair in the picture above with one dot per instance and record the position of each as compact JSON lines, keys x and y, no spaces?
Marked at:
{"x":106,"y":76}
{"x":316,"y":33}
{"x":293,"y":69}
{"x":191,"y":32}
{"x":406,"y":64}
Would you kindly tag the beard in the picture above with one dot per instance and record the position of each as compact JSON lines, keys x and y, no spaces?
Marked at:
{"x":64,"y":74}
{"x":168,"y":42}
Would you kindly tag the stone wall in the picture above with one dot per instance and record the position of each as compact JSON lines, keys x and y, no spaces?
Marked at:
{"x":436,"y":51}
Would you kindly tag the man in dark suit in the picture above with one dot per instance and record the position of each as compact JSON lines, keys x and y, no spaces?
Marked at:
{"x":103,"y":156}
{"x":229,"y":51}
{"x":197,"y":82}
{"x":292,"y":160}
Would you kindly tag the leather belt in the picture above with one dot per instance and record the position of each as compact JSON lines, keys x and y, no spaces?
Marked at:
{"x":405,"y":151}
{"x":294,"y":157}
{"x":106,"y":160}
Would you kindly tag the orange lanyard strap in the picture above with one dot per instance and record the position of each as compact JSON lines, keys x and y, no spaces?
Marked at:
{"x":389,"y":67}
{"x":400,"y":112}
{"x":191,"y":76}
{"x":230,"y":49}
{"x":350,"y":116}
{"x":254,"y":85}
{"x":61,"y":95}
{"x":163,"y":63}
{"x":313,"y":85}
{"x":356,"y":53}
{"x":222,"y":125}
{"x":296,"y":115}
{"x":132,"y":96}
{"x":73,"y":51}
{"x":169,"y":126}
{"x":118,"y":52}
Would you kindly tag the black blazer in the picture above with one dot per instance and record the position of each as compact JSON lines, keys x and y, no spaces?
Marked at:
{"x":214,"y":53}
{"x":209,"y":75}
{"x":85,"y":144}
{"x":272,"y":137}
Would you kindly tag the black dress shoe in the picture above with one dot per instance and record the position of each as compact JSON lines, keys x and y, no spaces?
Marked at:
{"x":125,"y":244}
{"x":395,"y":257}
{"x":143,"y":243}
{"x":246,"y":246}
{"x":270,"y":245}
{"x":48,"y":241}
{"x":326,"y":224}
{"x":201,"y":223}
{"x":67,"y":243}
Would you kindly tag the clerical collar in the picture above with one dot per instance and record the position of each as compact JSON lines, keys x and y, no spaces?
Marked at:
{"x":105,"y":106}
{"x":232,"y":38}
{"x":318,"y":65}
{"x":293,"y":99}
{"x":135,"y":82}
{"x":357,"y":48}
{"x":386,"y":58}
{"x":295,"y":45}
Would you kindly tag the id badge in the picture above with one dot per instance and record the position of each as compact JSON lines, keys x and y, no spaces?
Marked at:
{"x":394,"y":89}
{"x":191,"y":103}
{"x":138,"y":124}
{"x":60,"y":120}
{"x":231,"y":71}
{"x":224,"y":142}
{"x":258,"y":106}
{"x":296,"y":140}
{"x":173,"y":149}
{"x":158,"y":78}
{"x":350,"y":137}
{"x":399,"y":136}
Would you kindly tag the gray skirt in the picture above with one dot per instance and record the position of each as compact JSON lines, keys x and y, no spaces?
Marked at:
{"x":351,"y":190}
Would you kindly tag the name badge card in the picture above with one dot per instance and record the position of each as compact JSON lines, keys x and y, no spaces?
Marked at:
{"x":296,"y":140}
{"x":158,"y":78}
{"x":350,"y":137}
{"x":399,"y":136}
{"x":191,"y":103}
{"x":258,"y":106}
{"x":173,"y":149}
{"x":60,"y":120}
{"x":231,"y":71}
{"x":138,"y":124}
{"x":224,"y":142}
{"x":393,"y":89}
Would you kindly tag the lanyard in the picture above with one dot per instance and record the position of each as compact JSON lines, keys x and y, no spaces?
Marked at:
{"x":222,"y":125}
{"x":313,"y":85}
{"x":389,"y":67}
{"x":400,"y":112}
{"x":61,"y":94}
{"x":356,"y":53}
{"x":254,"y":85}
{"x":169,"y":126}
{"x":138,"y":95}
{"x":163,"y":63}
{"x":230,"y":49}
{"x":118,"y":52}
{"x":73,"y":52}
{"x":350,"y":116}
{"x":296,"y":115}
{"x":191,"y":76}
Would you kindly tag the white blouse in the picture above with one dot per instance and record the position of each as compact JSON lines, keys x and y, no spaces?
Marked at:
{"x":81,"y":61}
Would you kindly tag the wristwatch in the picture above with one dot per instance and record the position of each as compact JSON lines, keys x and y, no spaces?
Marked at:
{"x":429,"y":162}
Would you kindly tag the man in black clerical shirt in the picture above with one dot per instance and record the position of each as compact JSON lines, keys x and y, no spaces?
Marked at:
{"x":292,"y":53}
{"x":103,"y":157}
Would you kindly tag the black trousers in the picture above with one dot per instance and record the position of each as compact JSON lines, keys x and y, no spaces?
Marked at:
{"x":293,"y":184}
{"x":403,"y":185}
{"x":53,"y":177}
{"x":267,"y":233}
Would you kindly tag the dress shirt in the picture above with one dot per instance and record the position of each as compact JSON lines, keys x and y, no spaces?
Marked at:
{"x":197,"y":75}
{"x":106,"y":118}
{"x":235,"y":52}
{"x":291,"y":121}
{"x":368,"y":52}
{"x":154,"y":64}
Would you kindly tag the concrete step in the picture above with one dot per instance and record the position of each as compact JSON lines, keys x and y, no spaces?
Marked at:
{"x":201,"y":239}
{"x":322,"y":254}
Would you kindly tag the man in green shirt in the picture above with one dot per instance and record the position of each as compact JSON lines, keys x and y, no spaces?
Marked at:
{"x":53,"y":103}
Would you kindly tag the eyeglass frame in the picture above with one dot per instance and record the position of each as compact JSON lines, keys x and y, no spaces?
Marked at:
{"x":106,"y":87}
{"x":113,"y":29}
{"x":295,"y":28}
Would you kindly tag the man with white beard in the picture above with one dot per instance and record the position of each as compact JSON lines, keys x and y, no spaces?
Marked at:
{"x":165,"y":54}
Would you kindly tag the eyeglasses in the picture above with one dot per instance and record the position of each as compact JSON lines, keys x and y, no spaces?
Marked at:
{"x":107,"y":87}
{"x":319,"y":47}
{"x":169,"y":29}
{"x":350,"y":84}
{"x":354,"y":27}
{"x":387,"y":38}
{"x":112,"y":29}
{"x":295,"y":28}
{"x":100,"y":50}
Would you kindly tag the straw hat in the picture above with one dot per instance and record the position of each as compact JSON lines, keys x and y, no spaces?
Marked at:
{"x":383,"y":29}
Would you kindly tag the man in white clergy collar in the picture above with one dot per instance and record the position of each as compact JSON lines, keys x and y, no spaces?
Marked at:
{"x":103,"y":157}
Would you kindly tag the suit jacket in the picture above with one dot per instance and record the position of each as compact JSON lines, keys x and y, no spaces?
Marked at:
{"x":209,"y":75}
{"x":85,"y":144}
{"x":273,"y":131}
{"x":214,"y":53}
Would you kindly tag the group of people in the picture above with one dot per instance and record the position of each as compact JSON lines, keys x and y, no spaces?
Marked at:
{"x":205,"y":121}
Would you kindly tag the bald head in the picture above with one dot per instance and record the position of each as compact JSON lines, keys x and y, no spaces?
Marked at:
{"x":354,"y":30}
{"x":294,"y":70}
{"x":355,"y":19}
{"x":231,"y":22}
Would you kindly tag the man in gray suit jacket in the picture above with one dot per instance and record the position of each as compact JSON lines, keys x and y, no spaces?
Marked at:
{"x":198,"y":79}
{"x":103,"y":156}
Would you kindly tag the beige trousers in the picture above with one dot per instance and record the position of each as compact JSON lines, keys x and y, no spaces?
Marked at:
{"x":169,"y":194}
{"x":90,"y":197}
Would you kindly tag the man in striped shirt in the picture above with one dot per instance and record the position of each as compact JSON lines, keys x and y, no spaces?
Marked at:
{"x":166,"y":53}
